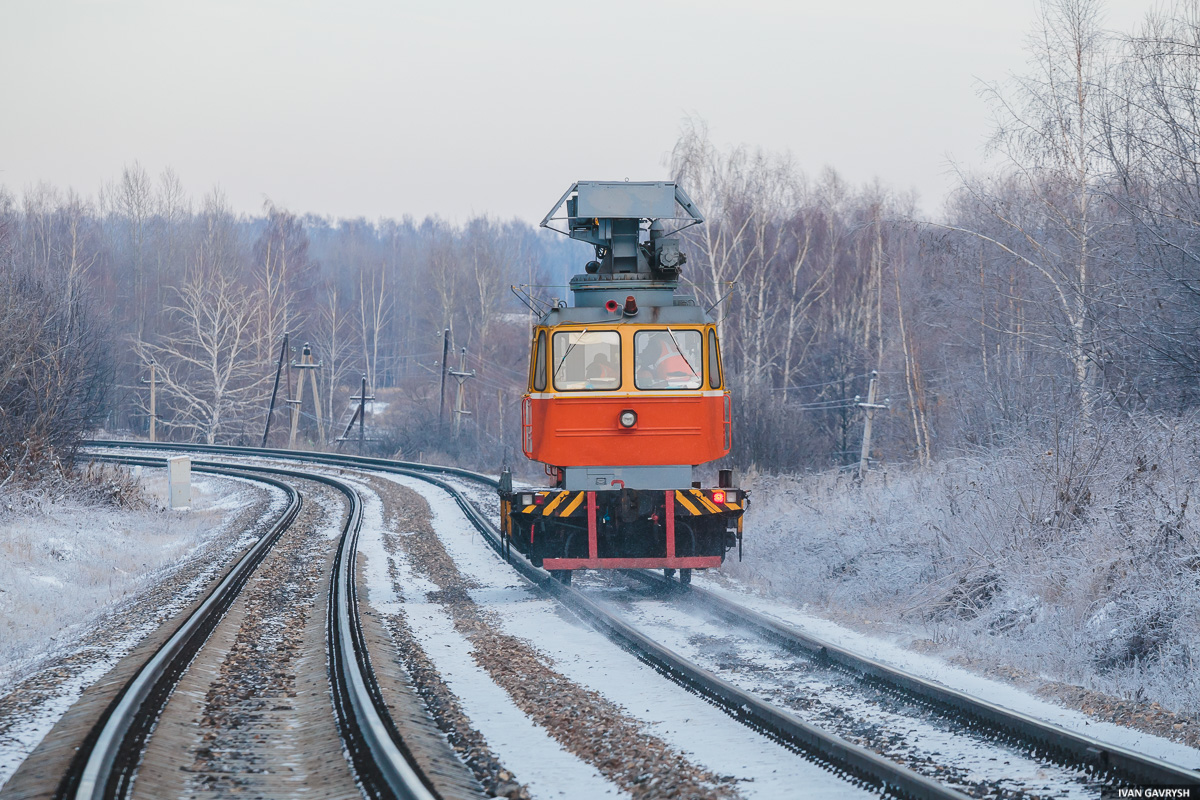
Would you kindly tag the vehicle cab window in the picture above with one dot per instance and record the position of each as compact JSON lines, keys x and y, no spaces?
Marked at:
{"x":539,"y":364}
{"x":667,"y":359}
{"x":587,"y":360}
{"x":714,"y":361}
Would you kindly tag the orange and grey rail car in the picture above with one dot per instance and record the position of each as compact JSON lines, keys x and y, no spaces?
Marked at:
{"x":626,"y":396}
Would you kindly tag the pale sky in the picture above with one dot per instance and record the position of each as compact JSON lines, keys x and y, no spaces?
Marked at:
{"x":387,"y":107}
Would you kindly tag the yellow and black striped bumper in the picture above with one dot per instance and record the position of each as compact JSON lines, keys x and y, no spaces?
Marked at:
{"x":701,"y":503}
{"x":688,"y":503}
{"x":551,"y":504}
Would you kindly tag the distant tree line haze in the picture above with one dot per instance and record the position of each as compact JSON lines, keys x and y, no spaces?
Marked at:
{"x":1057,"y":289}
{"x":196,"y":299}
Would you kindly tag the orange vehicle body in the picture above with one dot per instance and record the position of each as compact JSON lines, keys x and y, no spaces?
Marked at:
{"x":582,"y":428}
{"x":569,"y":430}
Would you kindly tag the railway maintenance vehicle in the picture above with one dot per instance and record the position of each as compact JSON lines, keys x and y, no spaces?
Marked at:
{"x":625,"y":398}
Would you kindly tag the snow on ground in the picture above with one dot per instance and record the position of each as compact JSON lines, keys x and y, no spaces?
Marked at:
{"x":890,"y":652}
{"x":64,"y":565}
{"x":66,"y":569}
{"x":536,"y":759}
{"x":709,"y":737}
{"x":770,"y":672}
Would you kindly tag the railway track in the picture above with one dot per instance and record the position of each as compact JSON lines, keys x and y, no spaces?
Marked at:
{"x":106,"y":763}
{"x":1060,"y":745}
{"x":1051,"y":742}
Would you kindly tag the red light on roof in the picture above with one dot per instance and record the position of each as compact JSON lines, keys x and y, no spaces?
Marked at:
{"x":630,"y":306}
{"x":718,"y":496}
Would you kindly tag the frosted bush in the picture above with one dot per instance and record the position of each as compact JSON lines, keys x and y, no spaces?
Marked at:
{"x":64,"y":561}
{"x":1077,"y":559}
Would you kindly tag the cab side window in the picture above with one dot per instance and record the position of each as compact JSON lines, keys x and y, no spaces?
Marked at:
{"x":539,"y":366}
{"x":714,"y":361}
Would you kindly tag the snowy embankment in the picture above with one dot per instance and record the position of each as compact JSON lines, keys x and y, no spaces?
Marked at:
{"x":64,"y":561}
{"x":1080,"y":567}
{"x":82,"y":583}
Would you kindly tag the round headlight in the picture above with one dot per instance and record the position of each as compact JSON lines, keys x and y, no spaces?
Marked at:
{"x":628,"y":418}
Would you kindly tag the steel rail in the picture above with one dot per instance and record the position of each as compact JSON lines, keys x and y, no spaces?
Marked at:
{"x":383,"y":762}
{"x":781,"y":725}
{"x":741,"y":705}
{"x":1063,"y":745}
{"x":380,"y":758}
{"x":105,"y":764}
{"x":1060,"y":744}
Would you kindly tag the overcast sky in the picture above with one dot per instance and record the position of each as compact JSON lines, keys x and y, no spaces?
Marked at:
{"x":387,"y":107}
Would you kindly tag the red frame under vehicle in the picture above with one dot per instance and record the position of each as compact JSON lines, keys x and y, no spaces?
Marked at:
{"x":594,"y":562}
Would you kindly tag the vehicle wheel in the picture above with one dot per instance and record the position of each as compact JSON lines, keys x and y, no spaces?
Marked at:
{"x":563,"y":576}
{"x":685,"y":576}
{"x":668,"y":572}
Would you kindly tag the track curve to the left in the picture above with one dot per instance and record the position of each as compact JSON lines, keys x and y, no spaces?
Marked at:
{"x":106,"y":764}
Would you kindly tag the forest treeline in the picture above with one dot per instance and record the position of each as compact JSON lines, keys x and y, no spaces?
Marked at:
{"x":1056,"y":289}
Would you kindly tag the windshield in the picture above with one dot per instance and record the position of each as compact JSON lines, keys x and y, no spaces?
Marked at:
{"x":668,"y":359}
{"x":587,"y":360}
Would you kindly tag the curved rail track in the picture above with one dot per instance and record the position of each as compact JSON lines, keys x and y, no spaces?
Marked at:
{"x":1061,"y":745}
{"x":105,"y":765}
{"x":1053,"y":742}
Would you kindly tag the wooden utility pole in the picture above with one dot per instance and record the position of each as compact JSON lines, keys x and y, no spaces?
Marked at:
{"x":442,"y":394}
{"x":275,"y":390}
{"x":153,"y":398}
{"x":312,"y":373}
{"x":461,"y":376}
{"x":870,"y":407}
{"x":362,"y":414}
{"x":359,"y":416}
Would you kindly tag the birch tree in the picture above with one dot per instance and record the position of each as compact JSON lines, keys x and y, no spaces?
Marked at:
{"x":209,"y":377}
{"x":1049,"y":131}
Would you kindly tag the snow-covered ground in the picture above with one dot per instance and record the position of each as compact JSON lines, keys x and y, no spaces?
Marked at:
{"x":905,"y":733}
{"x":788,"y":509}
{"x":887,"y":650}
{"x":547,"y":769}
{"x":63,"y":565}
{"x":81,"y":585}
{"x":707,"y":735}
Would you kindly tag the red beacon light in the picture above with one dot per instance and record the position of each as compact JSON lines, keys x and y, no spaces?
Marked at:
{"x":718,"y":496}
{"x":611,"y":306}
{"x":630,"y":306}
